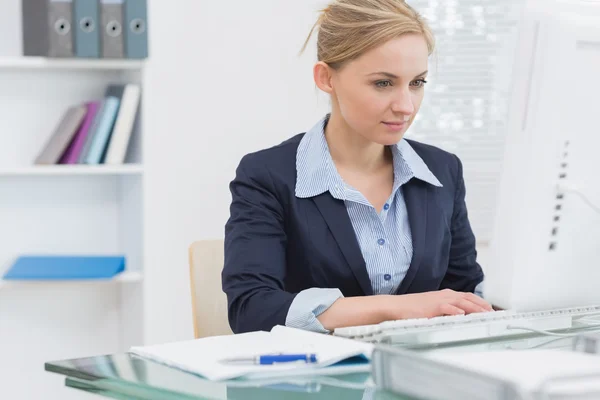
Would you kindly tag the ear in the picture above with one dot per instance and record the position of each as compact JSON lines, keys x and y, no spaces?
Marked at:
{"x":323,"y":77}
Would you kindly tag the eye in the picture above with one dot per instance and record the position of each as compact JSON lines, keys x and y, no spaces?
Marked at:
{"x":418,"y":83}
{"x":383,"y":84}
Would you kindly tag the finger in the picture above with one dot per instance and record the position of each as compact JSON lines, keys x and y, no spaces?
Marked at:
{"x":479,"y":301}
{"x":449,"y":309}
{"x":468,"y":306}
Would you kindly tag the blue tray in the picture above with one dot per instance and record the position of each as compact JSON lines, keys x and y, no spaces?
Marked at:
{"x":65,"y":267}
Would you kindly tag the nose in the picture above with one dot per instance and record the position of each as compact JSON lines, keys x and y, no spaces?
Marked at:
{"x":403,"y":102}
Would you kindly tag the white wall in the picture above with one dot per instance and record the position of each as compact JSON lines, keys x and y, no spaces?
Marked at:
{"x":225,"y":79}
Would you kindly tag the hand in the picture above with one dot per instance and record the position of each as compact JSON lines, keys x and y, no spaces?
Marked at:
{"x":434,"y":304}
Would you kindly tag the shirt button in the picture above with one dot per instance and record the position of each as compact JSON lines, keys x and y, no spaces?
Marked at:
{"x":387,"y":277}
{"x":381,"y":242}
{"x":386,"y":207}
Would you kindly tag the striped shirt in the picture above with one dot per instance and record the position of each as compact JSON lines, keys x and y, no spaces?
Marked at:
{"x":384,"y":238}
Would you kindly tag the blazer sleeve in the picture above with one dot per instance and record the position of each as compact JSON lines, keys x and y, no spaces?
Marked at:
{"x":255,"y":255}
{"x":464,"y":273}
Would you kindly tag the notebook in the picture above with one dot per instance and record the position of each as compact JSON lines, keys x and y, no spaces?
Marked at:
{"x":204,"y":357}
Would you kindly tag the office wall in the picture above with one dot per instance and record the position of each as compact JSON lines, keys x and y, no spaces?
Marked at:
{"x":225,"y":78}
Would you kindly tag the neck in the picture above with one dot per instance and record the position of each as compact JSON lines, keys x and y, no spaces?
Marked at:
{"x":351,"y":150}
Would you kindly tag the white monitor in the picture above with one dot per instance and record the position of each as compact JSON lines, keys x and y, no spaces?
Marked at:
{"x":545,"y":250}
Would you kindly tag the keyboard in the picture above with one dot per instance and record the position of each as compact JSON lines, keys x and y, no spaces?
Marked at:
{"x":465,"y":327}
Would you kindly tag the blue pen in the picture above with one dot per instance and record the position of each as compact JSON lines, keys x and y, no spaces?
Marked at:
{"x":269,"y":359}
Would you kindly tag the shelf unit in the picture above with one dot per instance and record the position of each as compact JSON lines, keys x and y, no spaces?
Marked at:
{"x":73,"y":170}
{"x":65,"y":209}
{"x":124,"y":277}
{"x":37,"y":63}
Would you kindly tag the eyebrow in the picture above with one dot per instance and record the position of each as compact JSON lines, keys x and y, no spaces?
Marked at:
{"x":392,"y":76}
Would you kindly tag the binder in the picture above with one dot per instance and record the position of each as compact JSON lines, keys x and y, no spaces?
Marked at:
{"x":86,"y":26}
{"x":136,"y":29}
{"x":111,"y":17}
{"x":487,"y":375}
{"x":124,"y":123}
{"x":62,"y":135}
{"x":47,"y":28}
{"x":65,"y":267}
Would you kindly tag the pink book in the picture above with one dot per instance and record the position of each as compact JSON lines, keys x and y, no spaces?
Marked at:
{"x":72,"y":153}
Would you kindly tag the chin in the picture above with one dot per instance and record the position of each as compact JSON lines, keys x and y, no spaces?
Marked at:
{"x":389,"y":139}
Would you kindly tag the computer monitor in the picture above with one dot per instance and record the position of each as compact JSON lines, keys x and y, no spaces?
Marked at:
{"x":545,"y":249}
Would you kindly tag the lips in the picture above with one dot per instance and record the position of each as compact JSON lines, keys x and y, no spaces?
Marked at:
{"x":395,"y":125}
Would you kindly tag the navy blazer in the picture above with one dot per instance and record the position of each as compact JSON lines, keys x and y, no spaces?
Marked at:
{"x":277,"y":245}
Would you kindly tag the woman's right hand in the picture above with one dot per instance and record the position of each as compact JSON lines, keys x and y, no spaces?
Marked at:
{"x":434,"y":304}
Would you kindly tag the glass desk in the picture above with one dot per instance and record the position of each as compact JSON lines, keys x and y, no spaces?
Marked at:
{"x":126,"y":376}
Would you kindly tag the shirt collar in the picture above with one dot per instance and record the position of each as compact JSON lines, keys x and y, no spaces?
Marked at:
{"x":405,"y":154}
{"x":316,"y":172}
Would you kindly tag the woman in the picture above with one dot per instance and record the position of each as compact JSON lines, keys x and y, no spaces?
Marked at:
{"x":350,"y":224}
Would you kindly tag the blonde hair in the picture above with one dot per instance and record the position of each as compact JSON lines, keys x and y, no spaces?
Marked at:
{"x":350,"y":28}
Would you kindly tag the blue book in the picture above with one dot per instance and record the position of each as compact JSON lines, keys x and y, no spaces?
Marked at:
{"x":91,"y":133}
{"x":65,"y":267}
{"x":106,"y":122}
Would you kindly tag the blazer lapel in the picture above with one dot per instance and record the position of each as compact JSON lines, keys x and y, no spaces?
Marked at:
{"x":415,"y":196}
{"x":335,"y":214}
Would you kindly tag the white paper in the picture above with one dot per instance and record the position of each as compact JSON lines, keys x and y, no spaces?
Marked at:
{"x":204,"y":356}
{"x":528,"y":369}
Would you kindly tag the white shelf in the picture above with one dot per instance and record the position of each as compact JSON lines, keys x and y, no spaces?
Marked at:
{"x":42,"y":63}
{"x":125,"y":277}
{"x":67,"y":170}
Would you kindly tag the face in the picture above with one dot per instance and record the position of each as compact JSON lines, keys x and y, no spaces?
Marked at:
{"x":379,"y":94}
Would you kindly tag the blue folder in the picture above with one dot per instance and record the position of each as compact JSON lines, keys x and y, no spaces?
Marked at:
{"x":86,"y":21}
{"x":135,"y":29}
{"x":65,"y":267}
